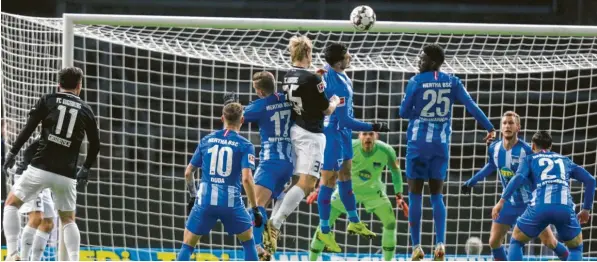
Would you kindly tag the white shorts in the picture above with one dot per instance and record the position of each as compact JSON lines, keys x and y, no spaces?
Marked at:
{"x":34,"y":180}
{"x":308,"y":149}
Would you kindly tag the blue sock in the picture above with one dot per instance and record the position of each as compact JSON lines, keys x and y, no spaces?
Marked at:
{"x":561,"y":251}
{"x":515,"y":251}
{"x":250,"y":250}
{"x":349,"y":200}
{"x":499,"y":254}
{"x":325,"y":208}
{"x":414,"y":217}
{"x":575,"y":253}
{"x":185,"y":253}
{"x":439,"y":217}
{"x":258,"y":231}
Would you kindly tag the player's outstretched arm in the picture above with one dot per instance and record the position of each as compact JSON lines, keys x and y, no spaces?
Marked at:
{"x":94,"y":142}
{"x":36,"y":114}
{"x":487,"y":170}
{"x":406,"y":107}
{"x":463,"y":97}
{"x":588,"y":180}
{"x":253,"y":113}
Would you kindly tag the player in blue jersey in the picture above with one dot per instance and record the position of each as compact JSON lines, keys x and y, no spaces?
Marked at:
{"x":225,"y":159}
{"x":427,"y":105}
{"x":337,"y":160}
{"x":549,"y":173}
{"x":272,"y":113}
{"x":504,"y":157}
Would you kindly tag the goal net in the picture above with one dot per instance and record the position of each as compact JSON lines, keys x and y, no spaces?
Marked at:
{"x":156,"y":84}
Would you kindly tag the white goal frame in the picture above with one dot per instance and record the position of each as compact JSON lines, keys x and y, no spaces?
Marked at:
{"x":70,"y":20}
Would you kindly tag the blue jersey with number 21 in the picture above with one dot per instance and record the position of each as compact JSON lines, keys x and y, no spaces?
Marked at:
{"x":222,"y":155}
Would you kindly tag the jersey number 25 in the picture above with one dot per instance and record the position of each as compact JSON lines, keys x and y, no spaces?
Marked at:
{"x":436,"y":98}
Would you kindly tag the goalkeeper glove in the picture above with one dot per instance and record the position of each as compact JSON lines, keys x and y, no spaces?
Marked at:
{"x":258,"y":218}
{"x":82,"y":177}
{"x":230,"y":97}
{"x":313,"y":196}
{"x":380,"y":127}
{"x":9,"y":161}
{"x":191,"y":204}
{"x":401,"y":204}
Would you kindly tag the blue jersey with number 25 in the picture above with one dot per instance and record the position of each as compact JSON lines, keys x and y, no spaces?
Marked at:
{"x":222,"y":155}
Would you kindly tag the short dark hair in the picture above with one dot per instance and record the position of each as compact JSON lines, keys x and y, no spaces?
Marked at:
{"x":265,"y":81}
{"x":69,"y":77}
{"x":542,"y":140}
{"x":232,"y":113}
{"x":335,"y":53}
{"x":435,"y":53}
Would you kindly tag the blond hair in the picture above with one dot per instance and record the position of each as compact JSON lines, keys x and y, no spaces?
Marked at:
{"x":232,"y":113}
{"x":513,"y":114}
{"x":299,"y":46}
{"x":265,"y":81}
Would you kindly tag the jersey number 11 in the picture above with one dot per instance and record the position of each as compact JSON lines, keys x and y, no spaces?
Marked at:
{"x":71,"y":123}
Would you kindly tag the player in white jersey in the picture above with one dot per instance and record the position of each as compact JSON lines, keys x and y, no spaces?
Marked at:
{"x":40,"y":212}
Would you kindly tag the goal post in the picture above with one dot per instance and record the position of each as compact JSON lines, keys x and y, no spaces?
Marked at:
{"x":156,"y":83}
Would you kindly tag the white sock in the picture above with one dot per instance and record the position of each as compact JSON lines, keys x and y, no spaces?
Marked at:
{"x":39,"y":245}
{"x":11,"y":224}
{"x":72,"y":240}
{"x":290,"y":202}
{"x":26,"y":241}
{"x":278,"y":204}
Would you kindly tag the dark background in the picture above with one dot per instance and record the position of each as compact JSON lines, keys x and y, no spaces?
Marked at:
{"x":150,"y":120}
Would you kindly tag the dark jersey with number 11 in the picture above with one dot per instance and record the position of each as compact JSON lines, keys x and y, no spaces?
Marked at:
{"x":65,"y":120}
{"x":305,"y":90}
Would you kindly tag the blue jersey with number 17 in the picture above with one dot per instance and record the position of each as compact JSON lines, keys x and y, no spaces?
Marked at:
{"x":272,"y":114}
{"x":222,"y":155}
{"x":428,"y":106}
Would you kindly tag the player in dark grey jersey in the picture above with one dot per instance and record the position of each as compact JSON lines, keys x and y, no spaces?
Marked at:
{"x":65,"y":120}
{"x":310,"y":105}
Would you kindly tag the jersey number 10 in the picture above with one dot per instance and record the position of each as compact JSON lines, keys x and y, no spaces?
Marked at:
{"x":71,"y":123}
{"x":216,"y":165}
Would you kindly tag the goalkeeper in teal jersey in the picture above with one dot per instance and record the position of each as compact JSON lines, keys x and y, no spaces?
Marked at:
{"x":370,"y":159}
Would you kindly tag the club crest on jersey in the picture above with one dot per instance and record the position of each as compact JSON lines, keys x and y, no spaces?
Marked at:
{"x":342,"y":102}
{"x":251,"y":159}
{"x":506,"y":172}
{"x":515,"y":160}
{"x":321,"y":86}
{"x":376,"y":165}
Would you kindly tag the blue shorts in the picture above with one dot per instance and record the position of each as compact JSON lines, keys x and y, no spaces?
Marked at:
{"x":427,"y":168}
{"x":509,"y":214}
{"x":536,"y":218}
{"x":273,"y":175}
{"x":202,"y":219}
{"x":338,"y":147}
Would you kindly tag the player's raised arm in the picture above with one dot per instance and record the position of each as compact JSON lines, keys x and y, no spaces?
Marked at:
{"x":464,"y":97}
{"x":487,"y":170}
{"x":406,"y":107}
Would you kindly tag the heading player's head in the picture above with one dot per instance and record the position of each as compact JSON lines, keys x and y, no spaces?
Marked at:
{"x":264,"y":83}
{"x":70,"y":79}
{"x":300,"y":51}
{"x":541,"y":141}
{"x":432,"y":58}
{"x":337,"y":56}
{"x":510,"y":125}
{"x":368,"y":140}
{"x":232,"y":116}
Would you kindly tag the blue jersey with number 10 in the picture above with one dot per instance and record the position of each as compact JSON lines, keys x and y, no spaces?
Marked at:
{"x":272,"y":114}
{"x":428,"y":105}
{"x":222,"y":155}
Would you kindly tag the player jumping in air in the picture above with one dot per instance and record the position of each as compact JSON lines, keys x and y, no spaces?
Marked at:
{"x":65,"y":121}
{"x":371,"y":156}
{"x":337,"y":160}
{"x":272,"y":113}
{"x":428,"y":105}
{"x":305,"y":90}
{"x":40,"y":212}
{"x":549,"y":173}
{"x":505,"y":155}
{"x":225,"y":159}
